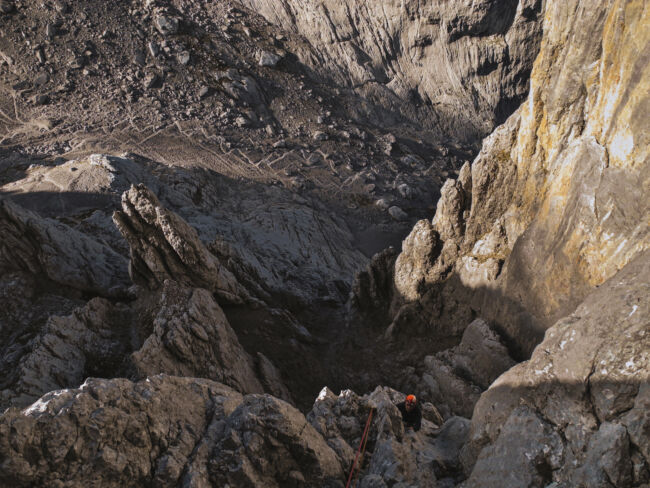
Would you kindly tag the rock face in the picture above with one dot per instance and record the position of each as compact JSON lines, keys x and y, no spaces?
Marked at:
{"x":164,"y":246}
{"x":193,"y":432}
{"x":553,"y":205}
{"x":454,"y":379}
{"x":192,"y":337}
{"x":47,"y":248}
{"x":457,"y":67}
{"x":174,"y":431}
{"x":550,"y":216}
{"x":576,"y":413}
{"x":68,"y":349}
{"x":425,"y":458}
{"x":232,"y":251}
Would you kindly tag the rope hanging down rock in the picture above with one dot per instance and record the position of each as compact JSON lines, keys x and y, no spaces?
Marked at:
{"x":362,"y":448}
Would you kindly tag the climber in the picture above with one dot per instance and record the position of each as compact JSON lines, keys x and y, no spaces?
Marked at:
{"x":411,"y":413}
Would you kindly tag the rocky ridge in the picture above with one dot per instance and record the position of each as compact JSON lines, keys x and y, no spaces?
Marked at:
{"x":197,"y":432}
{"x":203,"y":300}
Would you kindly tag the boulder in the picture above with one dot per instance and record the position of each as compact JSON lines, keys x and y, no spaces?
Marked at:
{"x":419,"y":251}
{"x":269,"y":59}
{"x":167,"y":430}
{"x":166,"y":25}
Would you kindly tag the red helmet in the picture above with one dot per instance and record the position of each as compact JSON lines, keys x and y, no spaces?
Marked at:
{"x":411,"y":399}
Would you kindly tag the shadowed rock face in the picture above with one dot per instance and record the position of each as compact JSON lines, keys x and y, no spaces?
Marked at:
{"x":192,"y":337}
{"x":67,"y":349}
{"x":458,"y":67}
{"x":579,"y":407}
{"x":164,"y":246}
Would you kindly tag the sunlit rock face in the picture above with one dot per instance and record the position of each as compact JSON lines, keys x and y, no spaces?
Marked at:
{"x":166,"y":430}
{"x":459,"y":68}
{"x":554,"y":204}
{"x":558,"y":220}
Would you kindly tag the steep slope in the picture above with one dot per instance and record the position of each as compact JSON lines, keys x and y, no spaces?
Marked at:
{"x":457,"y":68}
{"x":238,"y":273}
{"x":577,"y":412}
{"x":554,"y":203}
{"x":552,"y":215}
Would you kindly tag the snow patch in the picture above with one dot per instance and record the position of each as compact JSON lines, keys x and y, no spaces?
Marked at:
{"x":634,"y":309}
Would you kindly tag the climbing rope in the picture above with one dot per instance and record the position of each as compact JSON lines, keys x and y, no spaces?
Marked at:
{"x":361,"y":450}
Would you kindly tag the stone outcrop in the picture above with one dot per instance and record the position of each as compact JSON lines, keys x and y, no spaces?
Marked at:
{"x":195,"y":432}
{"x":425,"y":458}
{"x":192,"y":337}
{"x":164,"y":246}
{"x":88,"y":342}
{"x":52,"y":250}
{"x":167,"y":430}
{"x":576,"y":413}
{"x":457,"y":67}
{"x":454,"y":379}
{"x":177,"y":331}
{"x":372,"y":286}
{"x":553,"y":204}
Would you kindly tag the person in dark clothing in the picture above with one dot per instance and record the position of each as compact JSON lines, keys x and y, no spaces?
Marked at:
{"x":411,"y":413}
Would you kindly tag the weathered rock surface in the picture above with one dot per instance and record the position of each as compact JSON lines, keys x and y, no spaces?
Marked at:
{"x":454,"y":379}
{"x":65,"y":351}
{"x":174,"y":431}
{"x":177,"y":331}
{"x":164,"y":246}
{"x":372,"y":286}
{"x":192,"y":337}
{"x":551,"y":215}
{"x":553,"y":205}
{"x":396,"y":457}
{"x":47,"y":248}
{"x":577,"y":411}
{"x":195,"y":432}
{"x":26,"y":308}
{"x":457,"y":67}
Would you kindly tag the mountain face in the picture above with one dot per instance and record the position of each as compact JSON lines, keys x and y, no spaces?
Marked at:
{"x":201,"y":206}
{"x":457,"y":68}
{"x":553,"y":204}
